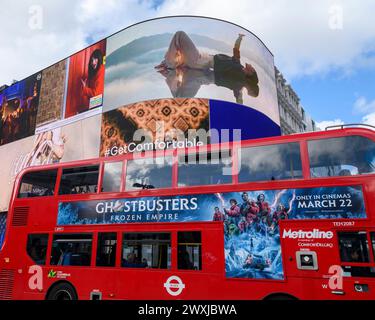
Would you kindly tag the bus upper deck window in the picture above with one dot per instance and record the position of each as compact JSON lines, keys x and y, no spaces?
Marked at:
{"x":112,"y":177}
{"x":38,"y":184}
{"x":79,"y":180}
{"x":343,"y":156}
{"x":204,"y":169}
{"x":271,"y":162}
{"x":149,"y":173}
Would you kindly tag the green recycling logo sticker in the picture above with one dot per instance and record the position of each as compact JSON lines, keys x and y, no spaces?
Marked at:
{"x":52,"y":274}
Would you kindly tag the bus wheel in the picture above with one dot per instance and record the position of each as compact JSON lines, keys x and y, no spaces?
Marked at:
{"x":280,"y":297}
{"x":62,"y":291}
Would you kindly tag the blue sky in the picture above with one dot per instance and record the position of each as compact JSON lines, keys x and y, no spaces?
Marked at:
{"x":335,"y":94}
{"x":326,"y":52}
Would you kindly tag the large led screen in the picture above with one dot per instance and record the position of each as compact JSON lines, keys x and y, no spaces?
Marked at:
{"x":163,"y":120}
{"x":86,"y":80}
{"x":18,"y":109}
{"x":76,"y":141}
{"x":187,"y":57}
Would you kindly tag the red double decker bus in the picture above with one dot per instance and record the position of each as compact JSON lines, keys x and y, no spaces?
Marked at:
{"x":287,"y":217}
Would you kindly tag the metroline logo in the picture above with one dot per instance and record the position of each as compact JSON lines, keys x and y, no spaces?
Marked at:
{"x":314,"y":234}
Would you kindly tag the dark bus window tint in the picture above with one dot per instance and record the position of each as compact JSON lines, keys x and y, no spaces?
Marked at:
{"x":189,"y":251}
{"x":150,"y":173}
{"x":353,"y":247}
{"x":38,"y":184}
{"x":79,"y":180}
{"x":343,"y":156}
{"x":273,"y":162}
{"x":37,"y":247}
{"x":373,"y":243}
{"x":3,"y":225}
{"x":146,"y":250}
{"x":106,"y":251}
{"x":112,"y":176}
{"x":204,"y":169}
{"x":71,"y":250}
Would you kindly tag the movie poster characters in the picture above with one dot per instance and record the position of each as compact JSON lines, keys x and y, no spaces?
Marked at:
{"x":187,"y":57}
{"x":86,"y":80}
{"x":162,"y":119}
{"x":18,"y":109}
{"x":251,"y":219}
{"x":252,"y":224}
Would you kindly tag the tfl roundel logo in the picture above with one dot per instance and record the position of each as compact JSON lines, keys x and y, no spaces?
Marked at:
{"x":174,"y":285}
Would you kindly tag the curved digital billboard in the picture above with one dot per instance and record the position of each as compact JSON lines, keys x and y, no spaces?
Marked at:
{"x":190,"y":57}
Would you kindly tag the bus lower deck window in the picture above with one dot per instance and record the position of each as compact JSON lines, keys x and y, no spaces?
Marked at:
{"x":79,"y":180}
{"x":146,"y":250}
{"x":189,"y":250}
{"x":37,"y":247}
{"x":106,"y":251}
{"x":354,"y":248}
{"x":38,"y":184}
{"x":71,"y":250}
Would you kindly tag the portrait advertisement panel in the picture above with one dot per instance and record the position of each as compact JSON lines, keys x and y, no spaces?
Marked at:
{"x":18,"y":109}
{"x":162,"y":120}
{"x":190,"y":57}
{"x":77,"y":141}
{"x":86,"y":80}
{"x":52,"y":94}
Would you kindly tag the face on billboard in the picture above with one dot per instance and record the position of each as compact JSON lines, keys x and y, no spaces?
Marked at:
{"x":18,"y":109}
{"x":76,"y":141}
{"x":187,"y":57}
{"x":86,"y":80}
{"x":156,"y":120}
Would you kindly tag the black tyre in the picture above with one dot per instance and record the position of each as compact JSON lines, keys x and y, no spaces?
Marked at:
{"x":281,"y":297}
{"x":62,"y":291}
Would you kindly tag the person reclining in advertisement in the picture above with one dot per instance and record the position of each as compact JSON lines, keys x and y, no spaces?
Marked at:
{"x":186,"y":69}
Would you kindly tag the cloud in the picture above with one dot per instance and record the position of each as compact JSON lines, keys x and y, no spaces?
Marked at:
{"x":362,"y":105}
{"x":369,"y":119}
{"x":324,"y":124}
{"x":367,"y":108}
{"x":332,"y":35}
